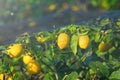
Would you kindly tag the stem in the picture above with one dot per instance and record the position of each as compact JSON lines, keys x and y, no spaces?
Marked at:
{"x":55,"y":71}
{"x":56,"y":74}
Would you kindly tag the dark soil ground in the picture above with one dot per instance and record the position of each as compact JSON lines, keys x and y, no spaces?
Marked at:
{"x":9,"y":32}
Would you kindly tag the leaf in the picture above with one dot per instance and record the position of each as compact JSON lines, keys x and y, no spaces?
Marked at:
{"x":97,"y":37}
{"x":72,"y":28}
{"x":101,"y":69}
{"x":2,"y":47}
{"x":73,"y":43}
{"x":100,"y":54}
{"x":72,"y":76}
{"x":118,"y":23}
{"x":115,"y":75}
{"x":104,"y":22}
{"x":48,"y":77}
{"x":115,"y":63}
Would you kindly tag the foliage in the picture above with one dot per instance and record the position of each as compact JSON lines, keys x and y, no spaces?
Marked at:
{"x":106,"y":4}
{"x":72,"y":62}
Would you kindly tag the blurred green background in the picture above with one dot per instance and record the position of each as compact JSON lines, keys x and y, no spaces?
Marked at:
{"x":19,"y":16}
{"x":18,"y":10}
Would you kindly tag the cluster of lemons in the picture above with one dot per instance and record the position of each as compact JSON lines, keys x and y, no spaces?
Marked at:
{"x":64,"y":39}
{"x":16,"y":50}
{"x":9,"y":77}
{"x":83,"y":42}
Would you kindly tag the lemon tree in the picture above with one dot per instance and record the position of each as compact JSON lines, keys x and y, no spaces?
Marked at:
{"x":89,"y":51}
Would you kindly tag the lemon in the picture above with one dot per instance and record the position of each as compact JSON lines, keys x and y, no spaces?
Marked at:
{"x":105,"y":5}
{"x":63,"y":40}
{"x":32,"y":24}
{"x":15,"y":50}
{"x":75,"y":8}
{"x":1,"y":76}
{"x":9,"y":78}
{"x":104,"y":47}
{"x":40,"y":39}
{"x":84,"y":41}
{"x":33,"y":67}
{"x":27,"y":58}
{"x":52,"y":7}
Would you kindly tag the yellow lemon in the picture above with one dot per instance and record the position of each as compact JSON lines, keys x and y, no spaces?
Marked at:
{"x":40,"y":39}
{"x":105,"y":4}
{"x":15,"y":50}
{"x":1,"y":76}
{"x":62,"y":40}
{"x":32,"y":24}
{"x":27,"y":59}
{"x":9,"y":78}
{"x":104,"y":47}
{"x":52,"y":7}
{"x":33,"y":67}
{"x":75,"y":8}
{"x":84,"y":41}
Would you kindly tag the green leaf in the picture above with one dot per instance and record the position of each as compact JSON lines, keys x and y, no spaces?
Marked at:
{"x":73,"y":43}
{"x":97,"y":37}
{"x":114,"y":63}
{"x":48,"y":77}
{"x":118,"y":23}
{"x":100,"y":54}
{"x":115,"y":75}
{"x":101,"y":69}
{"x":72,"y":76}
{"x":2,"y":47}
{"x":104,"y":21}
{"x":72,"y":28}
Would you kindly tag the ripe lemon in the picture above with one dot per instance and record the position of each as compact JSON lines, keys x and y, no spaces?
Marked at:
{"x":27,"y":58}
{"x":33,"y":67}
{"x":1,"y":76}
{"x":62,"y":40}
{"x":84,"y":41}
{"x":40,"y":39}
{"x":52,"y":7}
{"x":105,"y":4}
{"x":32,"y":24}
{"x":14,"y":50}
{"x":75,"y":8}
{"x":9,"y":78}
{"x":104,"y":47}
